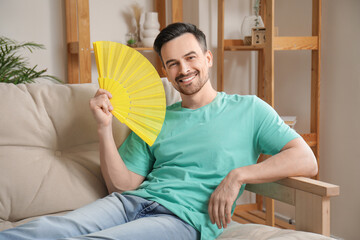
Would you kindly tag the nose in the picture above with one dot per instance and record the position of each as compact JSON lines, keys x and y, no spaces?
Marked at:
{"x":184,"y":67}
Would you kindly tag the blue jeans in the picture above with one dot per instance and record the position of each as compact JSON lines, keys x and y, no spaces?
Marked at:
{"x":114,"y":217}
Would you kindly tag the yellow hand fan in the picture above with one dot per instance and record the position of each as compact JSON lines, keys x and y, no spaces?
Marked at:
{"x":138,"y":93}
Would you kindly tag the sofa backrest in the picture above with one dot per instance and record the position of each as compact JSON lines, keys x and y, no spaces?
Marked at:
{"x":49,"y":159}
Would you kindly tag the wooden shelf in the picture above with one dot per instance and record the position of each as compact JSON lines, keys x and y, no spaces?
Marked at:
{"x":266,"y":84}
{"x":238,"y":45}
{"x":259,"y":217}
{"x":73,"y":48}
{"x":280,"y":43}
{"x":296,"y":43}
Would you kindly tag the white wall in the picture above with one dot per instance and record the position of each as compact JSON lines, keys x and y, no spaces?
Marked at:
{"x":340,"y":112}
{"x":43,"y":21}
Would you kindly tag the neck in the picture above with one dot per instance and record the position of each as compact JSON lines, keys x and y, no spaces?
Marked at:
{"x":205,"y":96}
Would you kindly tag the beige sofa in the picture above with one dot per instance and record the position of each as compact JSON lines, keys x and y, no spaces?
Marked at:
{"x":49,"y":160}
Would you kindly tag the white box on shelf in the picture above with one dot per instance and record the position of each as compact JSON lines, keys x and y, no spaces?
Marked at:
{"x":289,"y":120}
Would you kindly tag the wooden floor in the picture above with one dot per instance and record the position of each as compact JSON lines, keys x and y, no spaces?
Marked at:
{"x":256,"y":216}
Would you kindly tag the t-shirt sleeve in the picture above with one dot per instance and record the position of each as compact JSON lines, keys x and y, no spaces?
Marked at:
{"x":136,"y":155}
{"x":272,"y":134}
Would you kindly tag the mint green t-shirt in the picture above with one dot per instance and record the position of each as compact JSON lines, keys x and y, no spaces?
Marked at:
{"x":197,"y":148}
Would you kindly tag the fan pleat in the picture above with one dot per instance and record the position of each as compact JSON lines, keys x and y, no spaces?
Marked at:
{"x":126,"y":69}
{"x":139,"y":121}
{"x":139,"y":80}
{"x":153,"y":96}
{"x":138,"y":94}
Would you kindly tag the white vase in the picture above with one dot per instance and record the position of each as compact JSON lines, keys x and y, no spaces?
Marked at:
{"x":150,"y":33}
{"x":151,"y":28}
{"x":151,"y":21}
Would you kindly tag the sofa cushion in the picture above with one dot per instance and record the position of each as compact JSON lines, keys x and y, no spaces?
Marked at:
{"x":237,"y":231}
{"x":49,"y":160}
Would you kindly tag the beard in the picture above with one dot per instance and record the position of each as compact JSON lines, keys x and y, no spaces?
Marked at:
{"x":194,"y":87}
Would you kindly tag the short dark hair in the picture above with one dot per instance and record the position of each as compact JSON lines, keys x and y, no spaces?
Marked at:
{"x":175,"y":30}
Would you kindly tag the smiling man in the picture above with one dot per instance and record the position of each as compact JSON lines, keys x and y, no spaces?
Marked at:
{"x":185,"y":185}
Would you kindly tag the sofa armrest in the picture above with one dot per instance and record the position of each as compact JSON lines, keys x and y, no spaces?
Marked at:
{"x":310,"y":197}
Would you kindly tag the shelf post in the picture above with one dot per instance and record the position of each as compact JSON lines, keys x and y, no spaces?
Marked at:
{"x":269,"y":53}
{"x":84,"y":41}
{"x":261,"y":57}
{"x":315,"y":76}
{"x":72,"y":40}
{"x":177,"y":11}
{"x":269,"y":82}
{"x":220,"y":52}
{"x":160,"y":7}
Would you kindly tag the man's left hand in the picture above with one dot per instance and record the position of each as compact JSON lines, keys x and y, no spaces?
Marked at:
{"x":222,"y":199}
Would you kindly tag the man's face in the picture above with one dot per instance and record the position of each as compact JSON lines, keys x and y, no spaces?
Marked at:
{"x":186,"y":65}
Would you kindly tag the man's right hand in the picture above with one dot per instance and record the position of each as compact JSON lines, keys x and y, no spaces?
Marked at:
{"x":101,"y":108}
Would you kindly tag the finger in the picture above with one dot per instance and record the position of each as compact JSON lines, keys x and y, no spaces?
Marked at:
{"x":104,"y":103}
{"x":210,"y":210}
{"x":108,"y":103}
{"x":213,"y":210}
{"x":99,"y":99}
{"x":222,"y":216}
{"x":103,"y":91}
{"x":228,"y":213}
{"x":216,"y":215}
{"x":105,"y":108}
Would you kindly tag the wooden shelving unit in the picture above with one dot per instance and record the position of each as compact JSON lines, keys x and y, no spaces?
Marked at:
{"x":78,"y":36}
{"x":253,"y":212}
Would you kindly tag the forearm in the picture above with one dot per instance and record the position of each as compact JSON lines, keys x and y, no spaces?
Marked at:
{"x":296,"y":159}
{"x":116,"y":175}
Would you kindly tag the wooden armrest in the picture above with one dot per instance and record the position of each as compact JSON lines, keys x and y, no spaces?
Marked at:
{"x":312,"y":186}
{"x":310,"y":197}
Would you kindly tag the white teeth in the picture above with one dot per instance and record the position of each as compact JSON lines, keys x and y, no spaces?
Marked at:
{"x":188,"y":79}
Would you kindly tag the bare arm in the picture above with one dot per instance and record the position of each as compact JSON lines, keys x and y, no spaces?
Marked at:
{"x":117,"y":177}
{"x":295,"y":159}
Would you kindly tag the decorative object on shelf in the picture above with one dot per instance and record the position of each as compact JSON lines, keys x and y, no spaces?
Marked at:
{"x":137,"y":11}
{"x":258,"y":36}
{"x":247,"y":40}
{"x":250,"y":22}
{"x":258,"y":21}
{"x":151,"y":29}
{"x":138,"y":95}
{"x":14,"y":68}
{"x":131,"y":39}
{"x":289,"y":120}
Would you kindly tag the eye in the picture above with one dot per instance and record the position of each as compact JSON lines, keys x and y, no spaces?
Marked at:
{"x":172,"y":64}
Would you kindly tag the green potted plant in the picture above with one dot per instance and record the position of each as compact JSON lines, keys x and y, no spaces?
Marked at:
{"x":14,"y":67}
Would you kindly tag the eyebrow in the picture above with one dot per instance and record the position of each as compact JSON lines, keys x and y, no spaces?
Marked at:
{"x":173,"y":60}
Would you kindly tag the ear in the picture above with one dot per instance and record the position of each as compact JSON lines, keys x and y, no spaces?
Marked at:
{"x":209,"y":58}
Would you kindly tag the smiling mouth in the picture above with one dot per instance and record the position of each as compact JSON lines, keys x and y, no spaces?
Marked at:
{"x":188,"y":78}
